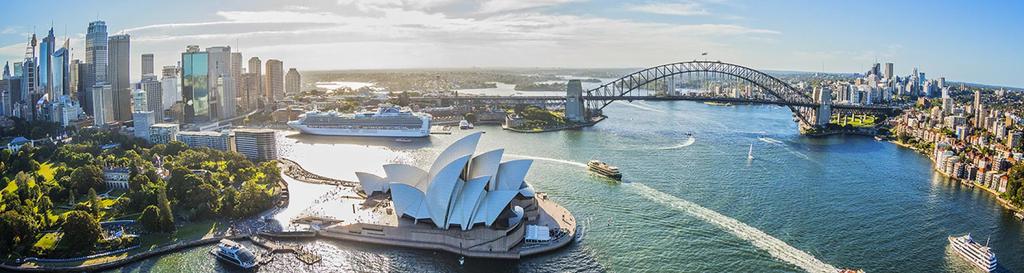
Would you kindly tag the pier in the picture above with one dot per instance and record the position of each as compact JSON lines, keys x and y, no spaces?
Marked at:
{"x":294,"y":170}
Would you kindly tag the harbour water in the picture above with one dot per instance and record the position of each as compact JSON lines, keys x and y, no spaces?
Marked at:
{"x":687,"y":203}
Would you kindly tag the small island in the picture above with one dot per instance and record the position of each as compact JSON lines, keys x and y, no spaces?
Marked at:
{"x":533,"y":119}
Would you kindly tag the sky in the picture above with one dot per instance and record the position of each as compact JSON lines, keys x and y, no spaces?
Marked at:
{"x":970,"y":41}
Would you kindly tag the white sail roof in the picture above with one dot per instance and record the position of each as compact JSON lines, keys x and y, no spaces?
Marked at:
{"x":442,"y":195}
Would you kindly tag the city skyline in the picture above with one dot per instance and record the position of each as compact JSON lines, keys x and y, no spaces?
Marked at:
{"x":798,"y":36}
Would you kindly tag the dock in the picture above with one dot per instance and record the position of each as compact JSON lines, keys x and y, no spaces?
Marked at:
{"x":301,"y":253}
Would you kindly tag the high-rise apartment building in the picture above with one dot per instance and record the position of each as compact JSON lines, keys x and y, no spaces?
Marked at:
{"x":147,"y":63}
{"x":119,"y":51}
{"x":103,"y":110}
{"x":256,"y":144}
{"x":292,"y":82}
{"x":273,"y":82}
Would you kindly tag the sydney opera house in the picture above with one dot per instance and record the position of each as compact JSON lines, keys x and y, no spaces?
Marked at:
{"x":471,"y":204}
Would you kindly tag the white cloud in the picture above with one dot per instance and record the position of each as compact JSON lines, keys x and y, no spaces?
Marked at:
{"x":680,"y":9}
{"x":495,"y":6}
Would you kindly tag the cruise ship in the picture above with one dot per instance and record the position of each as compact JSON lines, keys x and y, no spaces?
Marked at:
{"x":234,"y":253}
{"x":387,"y":121}
{"x":975,"y":253}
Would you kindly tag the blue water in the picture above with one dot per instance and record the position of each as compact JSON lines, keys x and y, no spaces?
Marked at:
{"x":688,"y":204}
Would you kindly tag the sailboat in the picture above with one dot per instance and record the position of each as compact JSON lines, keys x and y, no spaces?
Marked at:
{"x":750,"y":153}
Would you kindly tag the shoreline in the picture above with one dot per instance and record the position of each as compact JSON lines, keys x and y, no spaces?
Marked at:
{"x":1002,"y":202}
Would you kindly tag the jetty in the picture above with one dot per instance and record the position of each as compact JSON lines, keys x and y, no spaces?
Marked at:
{"x":294,"y":170}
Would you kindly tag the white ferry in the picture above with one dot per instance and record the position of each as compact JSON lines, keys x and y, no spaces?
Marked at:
{"x":978,"y":255}
{"x":388,"y":121}
{"x":234,"y":253}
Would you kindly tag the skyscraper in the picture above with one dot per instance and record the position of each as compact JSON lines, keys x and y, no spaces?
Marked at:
{"x":978,"y":113}
{"x":888,"y":71}
{"x":273,"y":82}
{"x":45,"y":63}
{"x":119,"y":51}
{"x":29,"y":81}
{"x":249,"y":88}
{"x":170,"y":87}
{"x":223,"y":99}
{"x":195,"y":88}
{"x":7,"y":71}
{"x":103,"y":111}
{"x":95,"y":75}
{"x":73,"y":78}
{"x":236,"y":72}
{"x":292,"y":82}
{"x":256,"y":67}
{"x":147,"y":63}
{"x":154,"y":96}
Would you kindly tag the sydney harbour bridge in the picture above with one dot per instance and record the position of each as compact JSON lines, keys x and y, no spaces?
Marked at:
{"x":659,"y":83}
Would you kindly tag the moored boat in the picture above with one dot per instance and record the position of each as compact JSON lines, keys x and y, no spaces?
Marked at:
{"x":604,"y":169}
{"x":981,"y":256}
{"x":234,"y":253}
{"x":387,"y":121}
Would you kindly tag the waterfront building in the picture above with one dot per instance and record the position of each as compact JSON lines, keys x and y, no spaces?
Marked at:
{"x":116,"y":177}
{"x":256,"y":144}
{"x":292,"y":82}
{"x":273,"y":82}
{"x":195,"y":88}
{"x":162,"y":133}
{"x":441,"y":196}
{"x":119,"y":50}
{"x":147,"y":64}
{"x":206,"y":139}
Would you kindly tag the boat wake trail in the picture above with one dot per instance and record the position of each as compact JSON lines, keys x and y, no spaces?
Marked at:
{"x":688,"y":142}
{"x":574,"y":163}
{"x":777,"y":248}
{"x":769,"y":140}
{"x":638,"y":106}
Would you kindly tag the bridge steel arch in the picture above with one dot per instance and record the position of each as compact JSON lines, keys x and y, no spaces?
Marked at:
{"x":620,"y":89}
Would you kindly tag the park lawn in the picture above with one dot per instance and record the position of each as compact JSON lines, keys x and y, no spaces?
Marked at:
{"x":47,"y":171}
{"x":48,"y":242}
{"x":188,"y":232}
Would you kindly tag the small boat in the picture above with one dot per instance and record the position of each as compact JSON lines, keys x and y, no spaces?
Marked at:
{"x":1019,"y":215}
{"x":403,"y":140}
{"x":605,"y":169}
{"x":981,"y":256}
{"x":750,"y":153}
{"x":465,"y":125}
{"x":234,"y":253}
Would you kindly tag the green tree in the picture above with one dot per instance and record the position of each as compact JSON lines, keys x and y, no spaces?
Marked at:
{"x":229,"y":202}
{"x":150,"y":218}
{"x":81,"y":231}
{"x":204,"y":200}
{"x":166,"y":216}
{"x":18,"y":231}
{"x":1016,"y":183}
{"x":87,"y":177}
{"x":44,"y":207}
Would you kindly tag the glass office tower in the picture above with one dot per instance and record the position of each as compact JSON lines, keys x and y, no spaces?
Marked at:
{"x":195,"y":86}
